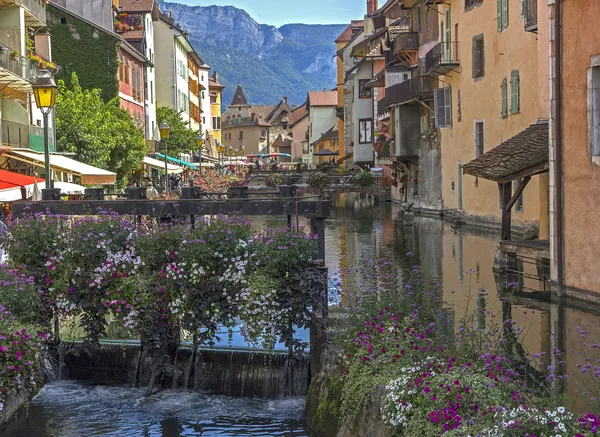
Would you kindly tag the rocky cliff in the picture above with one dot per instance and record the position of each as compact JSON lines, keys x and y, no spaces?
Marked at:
{"x":269,"y":62}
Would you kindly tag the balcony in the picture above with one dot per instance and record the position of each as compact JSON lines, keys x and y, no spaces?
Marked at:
{"x":412,"y":90}
{"x":382,"y":106}
{"x":406,"y":41}
{"x":531,"y":20}
{"x":35,"y":11}
{"x":16,"y":71}
{"x":442,"y":59}
{"x":36,"y":139}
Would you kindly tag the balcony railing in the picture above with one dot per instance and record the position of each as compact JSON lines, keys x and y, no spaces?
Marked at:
{"x":19,"y":65}
{"x":417,"y":88}
{"x":382,"y":106}
{"x":10,"y":37}
{"x":406,"y":41}
{"x":442,"y":58}
{"x":14,"y":134}
{"x":531,"y":20}
{"x":35,"y":11}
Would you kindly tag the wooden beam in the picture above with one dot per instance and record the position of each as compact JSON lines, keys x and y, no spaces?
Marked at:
{"x":518,"y":191}
{"x":505,"y":195}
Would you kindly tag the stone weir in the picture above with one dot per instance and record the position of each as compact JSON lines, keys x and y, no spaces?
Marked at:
{"x":228,"y":372}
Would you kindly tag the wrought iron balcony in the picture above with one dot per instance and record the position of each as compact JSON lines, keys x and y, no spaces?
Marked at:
{"x":35,"y":11}
{"x":417,"y":88}
{"x":531,"y":19}
{"x":442,"y":58}
{"x":406,"y":41}
{"x":16,"y":71}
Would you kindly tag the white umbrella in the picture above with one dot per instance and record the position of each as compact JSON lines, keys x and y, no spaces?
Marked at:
{"x":67,"y":187}
{"x":37,"y":193}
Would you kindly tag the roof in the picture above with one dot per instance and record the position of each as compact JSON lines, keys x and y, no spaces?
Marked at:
{"x":348,"y":33}
{"x":214,"y":84}
{"x":331,"y":134}
{"x":525,"y":154}
{"x":160,"y":165}
{"x":137,"y":6}
{"x":89,"y":175}
{"x":322,"y":98}
{"x":239,"y":98}
{"x":299,"y":114}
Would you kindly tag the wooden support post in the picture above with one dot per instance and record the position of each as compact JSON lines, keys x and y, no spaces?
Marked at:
{"x":317,"y":227}
{"x":289,"y":221}
{"x":505,"y":195}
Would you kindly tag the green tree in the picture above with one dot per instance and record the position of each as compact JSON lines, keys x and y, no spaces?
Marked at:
{"x":182,"y":139}
{"x":100,"y":134}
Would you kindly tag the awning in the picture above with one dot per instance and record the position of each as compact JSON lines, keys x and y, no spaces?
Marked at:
{"x":11,"y":183}
{"x":326,"y":152}
{"x":160,"y":165}
{"x":89,"y":175}
{"x":525,"y":154}
{"x":178,"y":161}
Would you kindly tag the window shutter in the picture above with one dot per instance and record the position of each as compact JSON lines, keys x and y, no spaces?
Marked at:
{"x":499,"y":14}
{"x":438,"y":103}
{"x":522,"y":9}
{"x":448,"y":104}
{"x":474,"y":57}
{"x":504,"y":112}
{"x":512,"y":94}
{"x":505,"y":14}
{"x":517,"y":91}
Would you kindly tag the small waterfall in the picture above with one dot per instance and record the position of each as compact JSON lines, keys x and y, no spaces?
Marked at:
{"x":237,"y":373}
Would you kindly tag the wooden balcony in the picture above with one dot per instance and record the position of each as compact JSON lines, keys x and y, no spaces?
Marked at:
{"x":412,"y":90}
{"x":442,"y":59}
{"x":406,"y":41}
{"x":531,"y":19}
{"x":382,"y":106}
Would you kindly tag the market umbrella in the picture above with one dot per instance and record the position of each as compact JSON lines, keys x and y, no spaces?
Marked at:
{"x":326,"y":152}
{"x":37,"y":193}
{"x":258,"y":155}
{"x":280,"y":154}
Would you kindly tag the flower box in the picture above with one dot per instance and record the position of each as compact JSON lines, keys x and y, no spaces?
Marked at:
{"x":237,"y":192}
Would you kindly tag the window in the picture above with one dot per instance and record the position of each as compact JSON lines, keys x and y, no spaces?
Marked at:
{"x":241,"y":135}
{"x":478,"y":57}
{"x":443,"y":106}
{"x":151,"y":92}
{"x":504,"y":91}
{"x":363,"y":91}
{"x":594,"y":113}
{"x":216,"y":123}
{"x":428,"y":18}
{"x":522,"y":9}
{"x":515,"y":91}
{"x":502,"y":14}
{"x":469,"y":4}
{"x":519,"y":202}
{"x":479,"y":138}
{"x":365,"y":131}
{"x":126,"y":72}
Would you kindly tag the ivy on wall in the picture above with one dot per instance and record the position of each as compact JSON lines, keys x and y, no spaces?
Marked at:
{"x":78,"y":47}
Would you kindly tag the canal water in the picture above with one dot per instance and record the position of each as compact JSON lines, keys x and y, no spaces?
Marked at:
{"x":358,"y":232}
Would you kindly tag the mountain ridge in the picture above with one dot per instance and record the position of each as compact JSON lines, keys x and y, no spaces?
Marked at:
{"x":269,"y":62}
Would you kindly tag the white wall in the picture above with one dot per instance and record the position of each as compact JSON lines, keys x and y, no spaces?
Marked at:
{"x":322,"y":118}
{"x":182,"y":81}
{"x":164,"y":68}
{"x":150,"y":102}
{"x":362,"y":108}
{"x":205,"y":105}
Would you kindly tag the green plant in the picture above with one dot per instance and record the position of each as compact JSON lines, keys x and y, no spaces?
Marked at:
{"x":276,"y":179}
{"x":181,"y":139}
{"x":364,"y":178}
{"x":319,"y":180}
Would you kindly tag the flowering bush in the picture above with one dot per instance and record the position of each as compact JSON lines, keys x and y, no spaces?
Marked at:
{"x":319,"y":180}
{"x":383,"y":138}
{"x":21,"y":357}
{"x":276,"y":179}
{"x":364,"y":178}
{"x":20,"y":296}
{"x":214,"y":181}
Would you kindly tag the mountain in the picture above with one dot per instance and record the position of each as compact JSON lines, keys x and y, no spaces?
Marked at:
{"x":268,"y":62}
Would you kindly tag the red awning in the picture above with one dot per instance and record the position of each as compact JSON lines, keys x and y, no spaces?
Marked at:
{"x":9,"y":179}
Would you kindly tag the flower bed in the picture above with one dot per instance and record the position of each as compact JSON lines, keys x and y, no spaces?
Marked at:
{"x":214,"y":181}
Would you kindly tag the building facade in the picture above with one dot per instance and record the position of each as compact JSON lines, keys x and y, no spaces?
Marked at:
{"x":21,"y":124}
{"x":255,"y":127}
{"x":300,"y":132}
{"x":215,"y":91}
{"x":322,"y":110}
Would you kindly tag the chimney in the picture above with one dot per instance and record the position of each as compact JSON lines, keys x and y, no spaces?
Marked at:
{"x":285,"y":99}
{"x":170,"y":14}
{"x":372,"y":6}
{"x":254,"y":117}
{"x":216,"y":76}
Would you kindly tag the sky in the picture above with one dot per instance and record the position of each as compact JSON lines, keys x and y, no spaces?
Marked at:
{"x":279,"y":12}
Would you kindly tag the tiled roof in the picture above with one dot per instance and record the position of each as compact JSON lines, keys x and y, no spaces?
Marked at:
{"x":525,"y":154}
{"x":239,"y":98}
{"x":137,"y":5}
{"x":348,"y":33}
{"x":299,"y":113}
{"x":214,"y":84}
{"x":322,"y":98}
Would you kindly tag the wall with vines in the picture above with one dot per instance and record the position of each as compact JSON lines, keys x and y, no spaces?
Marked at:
{"x":86,"y":50}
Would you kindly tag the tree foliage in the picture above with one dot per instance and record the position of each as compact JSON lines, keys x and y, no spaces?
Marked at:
{"x":181,"y":139}
{"x":100,"y":134}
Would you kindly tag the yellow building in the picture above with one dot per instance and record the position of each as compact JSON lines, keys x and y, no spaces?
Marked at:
{"x":328,"y":146}
{"x":492,"y":87}
{"x":215,"y":90}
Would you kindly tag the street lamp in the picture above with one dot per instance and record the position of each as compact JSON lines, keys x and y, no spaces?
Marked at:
{"x":220,"y":150}
{"x":165,"y":130}
{"x":44,"y":91}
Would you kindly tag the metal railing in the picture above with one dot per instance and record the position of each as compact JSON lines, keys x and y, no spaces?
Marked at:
{"x":20,"y":65}
{"x":36,"y":139}
{"x":531,"y":19}
{"x":36,"y":8}
{"x":420,"y":87}
{"x":14,"y":134}
{"x":442,"y":56}
{"x":406,"y":41}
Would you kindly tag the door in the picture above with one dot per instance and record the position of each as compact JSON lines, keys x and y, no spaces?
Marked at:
{"x":448,"y":34}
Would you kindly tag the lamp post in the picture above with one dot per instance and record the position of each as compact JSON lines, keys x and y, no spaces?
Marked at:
{"x":200,"y":144}
{"x":165,"y":130}
{"x":44,"y":91}
{"x":220,"y":150}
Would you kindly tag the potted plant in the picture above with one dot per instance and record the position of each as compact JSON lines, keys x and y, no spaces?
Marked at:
{"x":238,"y":189}
{"x":14,"y":55}
{"x":319,"y":181}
